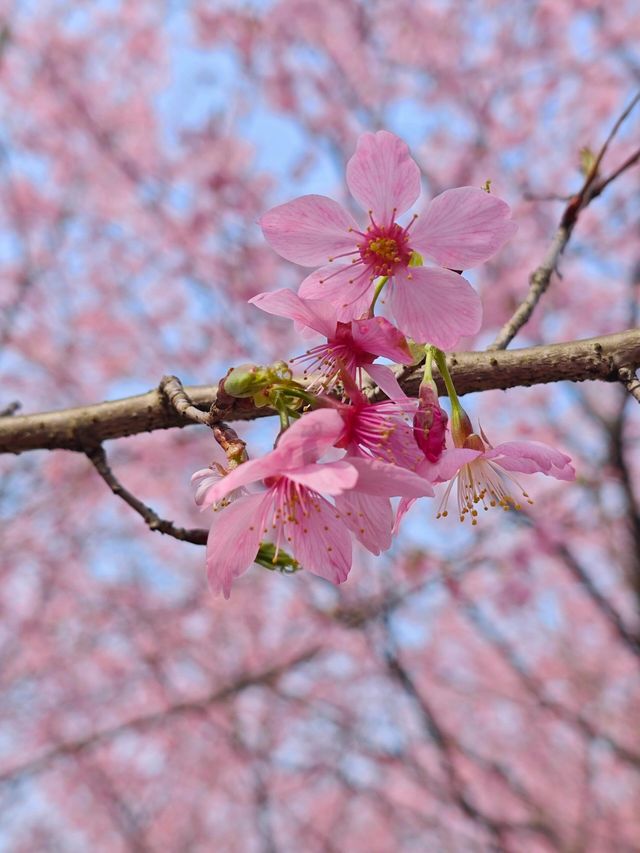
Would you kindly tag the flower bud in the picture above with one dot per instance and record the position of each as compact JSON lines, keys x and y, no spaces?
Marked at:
{"x":246,"y":380}
{"x":461,"y":427}
{"x":429,"y":422}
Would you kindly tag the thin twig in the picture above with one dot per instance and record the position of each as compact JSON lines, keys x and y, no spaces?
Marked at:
{"x":601,"y":185}
{"x":98,"y":458}
{"x":541,"y":277}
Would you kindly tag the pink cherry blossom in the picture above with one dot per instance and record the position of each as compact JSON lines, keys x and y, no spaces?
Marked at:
{"x":350,"y":346}
{"x":291,"y":509}
{"x":375,"y":431}
{"x":205,"y":478}
{"x":378,"y":430}
{"x":483,"y":473}
{"x":460,"y":228}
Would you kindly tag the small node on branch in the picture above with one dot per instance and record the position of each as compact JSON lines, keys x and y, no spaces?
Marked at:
{"x":173,"y":391}
{"x":233,"y":446}
{"x":630,"y":381}
{"x":10,"y":409}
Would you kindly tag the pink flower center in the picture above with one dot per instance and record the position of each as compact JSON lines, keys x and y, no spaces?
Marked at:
{"x":382,"y":249}
{"x":385,"y":248}
{"x":339,"y":353}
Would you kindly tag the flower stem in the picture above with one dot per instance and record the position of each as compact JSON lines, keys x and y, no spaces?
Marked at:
{"x":461,"y":427}
{"x":441,"y":361}
{"x":427,"y":375}
{"x":381,"y":283}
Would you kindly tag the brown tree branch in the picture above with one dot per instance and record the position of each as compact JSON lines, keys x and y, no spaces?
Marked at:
{"x":99,"y":460}
{"x":540,"y":279}
{"x":86,"y":427}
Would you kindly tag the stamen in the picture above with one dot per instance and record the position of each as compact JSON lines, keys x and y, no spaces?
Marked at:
{"x":413,"y":219}
{"x":344,"y":255}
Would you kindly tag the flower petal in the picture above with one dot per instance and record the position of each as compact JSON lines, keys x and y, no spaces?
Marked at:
{"x":448,"y":465}
{"x":309,"y":230}
{"x":249,"y":472}
{"x":369,"y":518}
{"x":316,"y":314}
{"x":386,"y":480}
{"x":435,"y":306}
{"x":308,"y":438}
{"x":203,"y":480}
{"x":346,"y":287}
{"x":382,"y":176}
{"x":463,"y":227}
{"x":529,"y":457}
{"x":380,"y":337}
{"x":234,"y":540}
{"x":403,"y":508}
{"x":321,"y":542}
{"x":332,"y":478}
{"x":385,"y":379}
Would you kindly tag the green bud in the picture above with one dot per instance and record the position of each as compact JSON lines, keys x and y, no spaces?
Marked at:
{"x":246,"y":380}
{"x":280,"y":562}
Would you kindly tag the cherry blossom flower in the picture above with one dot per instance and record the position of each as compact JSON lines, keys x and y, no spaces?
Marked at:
{"x":459,"y":229}
{"x":350,"y":347}
{"x":483,"y":473}
{"x":375,"y":431}
{"x":290,"y":508}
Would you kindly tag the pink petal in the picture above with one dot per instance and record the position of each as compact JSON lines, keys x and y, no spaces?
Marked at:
{"x":380,"y":337}
{"x":463,"y":227}
{"x":386,"y":480}
{"x":308,"y":438}
{"x":321,"y":542}
{"x":234,"y":540}
{"x":314,"y":313}
{"x":403,"y":508}
{"x":435,"y":306}
{"x":382,"y":176}
{"x":369,"y":518}
{"x":203,"y":480}
{"x":385,"y":379}
{"x":332,"y":478}
{"x":448,"y":465}
{"x":348,"y":288}
{"x":529,"y":457}
{"x":309,"y":230}
{"x":248,"y":472}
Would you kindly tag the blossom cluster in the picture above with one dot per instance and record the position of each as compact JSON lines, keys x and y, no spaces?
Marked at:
{"x":340,"y":456}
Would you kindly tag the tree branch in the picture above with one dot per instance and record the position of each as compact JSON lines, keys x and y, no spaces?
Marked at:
{"x":153,"y":521}
{"x":86,"y":427}
{"x":541,"y":277}
{"x":627,"y":375}
{"x":266,"y":677}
